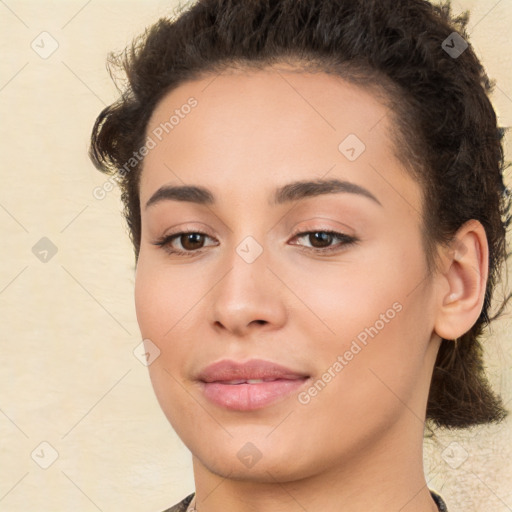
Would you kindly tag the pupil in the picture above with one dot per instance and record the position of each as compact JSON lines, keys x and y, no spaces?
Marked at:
{"x":321,"y":236}
{"x":192,"y":238}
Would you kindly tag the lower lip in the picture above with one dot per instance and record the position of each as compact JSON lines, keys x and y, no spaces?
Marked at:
{"x":248,"y":397}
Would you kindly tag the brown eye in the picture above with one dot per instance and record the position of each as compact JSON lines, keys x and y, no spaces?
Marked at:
{"x":320,"y":239}
{"x":185,"y":243}
{"x":191,"y":241}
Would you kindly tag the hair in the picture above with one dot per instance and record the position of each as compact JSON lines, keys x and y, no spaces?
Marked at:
{"x":447,"y":132}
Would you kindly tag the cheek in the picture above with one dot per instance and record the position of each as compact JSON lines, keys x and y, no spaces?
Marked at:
{"x":163,"y":297}
{"x":351,"y":296}
{"x":374,"y":367}
{"x":161,"y":305}
{"x":378,"y":313}
{"x":151,"y":301}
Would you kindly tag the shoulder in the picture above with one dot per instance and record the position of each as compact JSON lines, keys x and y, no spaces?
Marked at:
{"x":182,"y":505}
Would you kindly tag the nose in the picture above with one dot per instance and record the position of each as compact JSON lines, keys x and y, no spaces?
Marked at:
{"x":249,"y":296}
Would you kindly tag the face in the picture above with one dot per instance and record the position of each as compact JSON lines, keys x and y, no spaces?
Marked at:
{"x":316,"y":294}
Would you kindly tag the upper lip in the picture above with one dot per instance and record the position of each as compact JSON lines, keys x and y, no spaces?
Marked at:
{"x":228,"y":370}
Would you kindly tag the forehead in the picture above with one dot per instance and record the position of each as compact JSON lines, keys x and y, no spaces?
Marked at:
{"x":269,"y":125}
{"x":275,"y":98}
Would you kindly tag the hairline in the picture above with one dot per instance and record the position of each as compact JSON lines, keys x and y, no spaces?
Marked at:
{"x":357,"y":73}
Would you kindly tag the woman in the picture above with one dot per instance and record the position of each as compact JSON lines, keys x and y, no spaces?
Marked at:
{"x":315,"y":196}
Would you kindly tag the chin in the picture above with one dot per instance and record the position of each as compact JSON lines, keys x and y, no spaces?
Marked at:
{"x":255,"y":458}
{"x":266,"y":470}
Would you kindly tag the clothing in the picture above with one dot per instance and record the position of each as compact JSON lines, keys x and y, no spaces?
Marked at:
{"x":441,"y":505}
{"x":182,"y":505}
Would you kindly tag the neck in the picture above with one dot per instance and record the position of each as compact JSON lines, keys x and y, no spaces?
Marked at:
{"x":384,"y":477}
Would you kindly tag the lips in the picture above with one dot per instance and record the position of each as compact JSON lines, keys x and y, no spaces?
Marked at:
{"x":250,"y":385}
{"x":255,"y":369}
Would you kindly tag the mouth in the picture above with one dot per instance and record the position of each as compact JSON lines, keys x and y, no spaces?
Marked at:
{"x":248,"y":386}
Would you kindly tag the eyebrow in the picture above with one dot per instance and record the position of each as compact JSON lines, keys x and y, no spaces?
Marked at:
{"x":294,"y":191}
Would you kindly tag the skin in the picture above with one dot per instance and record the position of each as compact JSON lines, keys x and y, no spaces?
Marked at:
{"x":358,"y":442}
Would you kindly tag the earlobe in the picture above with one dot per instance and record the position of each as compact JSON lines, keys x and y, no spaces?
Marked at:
{"x":464,"y":280}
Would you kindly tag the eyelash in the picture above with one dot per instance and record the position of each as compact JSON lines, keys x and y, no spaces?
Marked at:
{"x":346,"y":240}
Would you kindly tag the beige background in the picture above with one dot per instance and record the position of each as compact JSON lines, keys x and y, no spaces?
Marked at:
{"x":69,"y":376}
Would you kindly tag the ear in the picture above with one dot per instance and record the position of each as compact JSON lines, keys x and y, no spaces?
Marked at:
{"x":463,"y":279}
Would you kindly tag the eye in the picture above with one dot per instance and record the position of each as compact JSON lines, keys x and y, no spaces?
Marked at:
{"x":191,"y":242}
{"x":321,"y":241}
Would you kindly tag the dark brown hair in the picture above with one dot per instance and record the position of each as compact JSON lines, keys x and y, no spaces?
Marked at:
{"x":447,"y":131}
